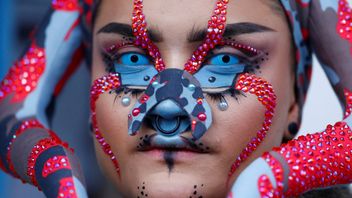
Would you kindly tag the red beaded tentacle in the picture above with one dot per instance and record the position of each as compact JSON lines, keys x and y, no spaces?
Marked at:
{"x":23,"y":77}
{"x":264,"y":91}
{"x":265,"y":187}
{"x":139,"y":28}
{"x":216,"y":28}
{"x":100,"y":86}
{"x":318,"y":160}
{"x":67,"y":188}
{"x":28,"y":124}
{"x":54,"y":164}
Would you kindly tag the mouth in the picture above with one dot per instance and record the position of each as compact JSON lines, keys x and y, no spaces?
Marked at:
{"x":161,"y":143}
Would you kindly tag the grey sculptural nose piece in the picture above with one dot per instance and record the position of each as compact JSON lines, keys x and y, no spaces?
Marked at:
{"x":174,"y":101}
{"x":168,"y":118}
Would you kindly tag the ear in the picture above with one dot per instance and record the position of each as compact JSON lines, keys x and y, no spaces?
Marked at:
{"x":292,"y":124}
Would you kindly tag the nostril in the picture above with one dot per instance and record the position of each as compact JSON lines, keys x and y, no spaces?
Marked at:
{"x":168,"y":118}
{"x":167,"y":126}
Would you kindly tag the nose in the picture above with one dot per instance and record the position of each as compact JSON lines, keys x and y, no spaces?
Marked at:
{"x":168,"y":118}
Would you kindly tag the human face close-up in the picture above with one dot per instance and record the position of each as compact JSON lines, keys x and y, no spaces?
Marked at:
{"x":205,"y":166}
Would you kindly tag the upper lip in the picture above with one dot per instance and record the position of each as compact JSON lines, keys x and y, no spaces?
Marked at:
{"x":184,"y":144}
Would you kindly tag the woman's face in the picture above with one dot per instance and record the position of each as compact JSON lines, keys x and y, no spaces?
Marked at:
{"x":173,"y":23}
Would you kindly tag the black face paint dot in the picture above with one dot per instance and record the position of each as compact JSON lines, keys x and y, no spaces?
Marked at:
{"x":212,"y":79}
{"x":195,"y":192}
{"x":146,"y":78}
{"x":134,"y":58}
{"x":226,"y":58}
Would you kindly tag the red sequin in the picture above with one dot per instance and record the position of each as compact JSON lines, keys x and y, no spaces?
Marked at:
{"x":65,"y":5}
{"x":54,"y":164}
{"x":23,"y":77}
{"x":264,"y":91}
{"x":67,"y":188}
{"x":100,"y":86}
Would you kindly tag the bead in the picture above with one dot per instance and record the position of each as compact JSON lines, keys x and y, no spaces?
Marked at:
{"x":136,"y":111}
{"x":202,"y":117}
{"x":155,"y":84}
{"x":212,"y":79}
{"x":223,"y":106}
{"x":126,"y":101}
{"x":146,"y":78}
{"x":191,"y":87}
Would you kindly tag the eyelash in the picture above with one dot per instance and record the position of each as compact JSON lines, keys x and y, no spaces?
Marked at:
{"x":251,"y":65}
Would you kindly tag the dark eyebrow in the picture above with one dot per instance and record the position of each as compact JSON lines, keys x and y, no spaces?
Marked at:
{"x":233,"y":29}
{"x":126,"y":30}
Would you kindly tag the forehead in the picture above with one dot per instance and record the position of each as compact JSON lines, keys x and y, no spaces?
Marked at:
{"x":176,"y":15}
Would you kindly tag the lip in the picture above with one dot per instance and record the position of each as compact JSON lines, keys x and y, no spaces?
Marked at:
{"x":178,"y":144}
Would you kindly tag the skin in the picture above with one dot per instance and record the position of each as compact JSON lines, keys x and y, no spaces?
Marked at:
{"x":231,"y":130}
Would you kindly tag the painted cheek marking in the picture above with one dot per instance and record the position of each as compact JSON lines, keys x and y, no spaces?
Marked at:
{"x":216,"y":27}
{"x":100,"y":86}
{"x":23,"y":77}
{"x":264,"y":91}
{"x":142,"y":39}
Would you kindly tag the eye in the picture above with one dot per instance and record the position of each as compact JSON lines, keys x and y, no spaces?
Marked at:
{"x":133,"y":59}
{"x":224,"y":59}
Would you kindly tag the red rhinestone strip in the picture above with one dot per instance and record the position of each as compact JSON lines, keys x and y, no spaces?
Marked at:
{"x":65,"y":5}
{"x":264,"y":91}
{"x":24,"y":126}
{"x":100,"y":86}
{"x":319,"y":160}
{"x":139,"y":28}
{"x":265,"y":187}
{"x":39,"y":148}
{"x":67,"y":188}
{"x":216,"y":28}
{"x":23,"y":77}
{"x":348,"y":96}
{"x":344,"y":27}
{"x":54,"y":164}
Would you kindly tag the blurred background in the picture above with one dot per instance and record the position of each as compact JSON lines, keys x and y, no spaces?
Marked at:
{"x":19,"y":18}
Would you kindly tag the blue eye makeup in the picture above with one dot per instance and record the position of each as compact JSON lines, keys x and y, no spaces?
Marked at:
{"x":133,"y":59}
{"x":224,"y":59}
